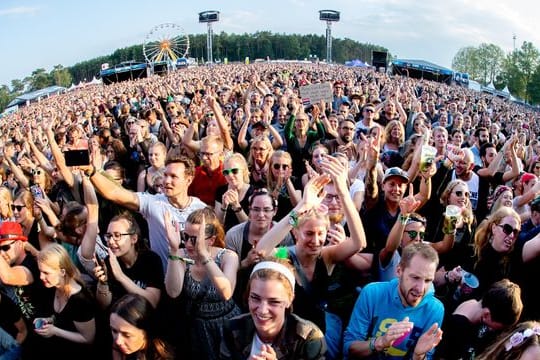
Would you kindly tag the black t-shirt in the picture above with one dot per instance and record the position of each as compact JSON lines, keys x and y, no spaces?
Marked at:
{"x":9,"y":314}
{"x":31,"y":299}
{"x":147,"y":271}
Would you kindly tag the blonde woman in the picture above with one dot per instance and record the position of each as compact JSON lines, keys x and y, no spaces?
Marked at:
{"x":70,"y":329}
{"x":232,"y":204}
{"x":259,"y":155}
{"x":280,"y":183}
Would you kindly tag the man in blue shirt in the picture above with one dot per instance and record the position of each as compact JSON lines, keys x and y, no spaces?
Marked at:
{"x":399,"y":319}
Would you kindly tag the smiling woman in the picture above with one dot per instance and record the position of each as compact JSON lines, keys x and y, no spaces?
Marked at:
{"x":270,"y":330}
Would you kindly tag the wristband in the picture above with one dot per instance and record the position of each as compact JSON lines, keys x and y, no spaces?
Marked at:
{"x":206,"y":261}
{"x":403,"y":219}
{"x":223,"y":209}
{"x":238,"y":209}
{"x":179,"y":258}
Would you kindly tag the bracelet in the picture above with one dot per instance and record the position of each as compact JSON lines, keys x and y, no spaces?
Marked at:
{"x":403,"y":219}
{"x":206,"y":261}
{"x":223,"y":209}
{"x":238,"y":209}
{"x":174,"y":257}
{"x":372,"y":345}
{"x":93,"y":172}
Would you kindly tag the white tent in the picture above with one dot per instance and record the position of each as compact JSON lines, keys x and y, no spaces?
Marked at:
{"x":95,"y":81}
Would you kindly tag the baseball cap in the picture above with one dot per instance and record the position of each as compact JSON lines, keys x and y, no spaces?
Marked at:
{"x":395,"y":171}
{"x":526,"y":177}
{"x":10,"y":231}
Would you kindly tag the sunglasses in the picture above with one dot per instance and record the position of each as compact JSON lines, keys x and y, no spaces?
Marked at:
{"x":17,"y":207}
{"x":6,"y":247}
{"x":461,"y":193}
{"x":233,"y":171}
{"x":209,"y":115}
{"x":413,"y":234}
{"x":36,"y":172}
{"x":508,"y":229}
{"x":280,"y":166}
{"x":369,"y":110}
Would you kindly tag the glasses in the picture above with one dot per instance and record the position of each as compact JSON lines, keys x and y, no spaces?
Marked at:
{"x":6,"y":247}
{"x":369,"y":110}
{"x":209,"y":154}
{"x":130,"y":122}
{"x":413,"y":234}
{"x":185,"y":237}
{"x":508,"y":229}
{"x":116,"y":236}
{"x":280,"y":166}
{"x":17,"y":207}
{"x":170,"y":108}
{"x":261,"y":210}
{"x":330,"y":197}
{"x":461,"y":193}
{"x":36,"y":172}
{"x":233,"y":171}
{"x":209,"y":115}
{"x":274,"y":303}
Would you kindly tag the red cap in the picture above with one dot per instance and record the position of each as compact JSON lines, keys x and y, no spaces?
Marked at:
{"x":526,"y":177}
{"x":10,"y":231}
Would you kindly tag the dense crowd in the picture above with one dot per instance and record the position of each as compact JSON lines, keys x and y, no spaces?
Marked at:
{"x":212,"y":213}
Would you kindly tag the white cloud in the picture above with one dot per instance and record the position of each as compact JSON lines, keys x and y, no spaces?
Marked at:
{"x":21,"y":10}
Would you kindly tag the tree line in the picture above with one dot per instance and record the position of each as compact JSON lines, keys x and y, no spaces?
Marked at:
{"x":234,"y":47}
{"x":518,"y":69}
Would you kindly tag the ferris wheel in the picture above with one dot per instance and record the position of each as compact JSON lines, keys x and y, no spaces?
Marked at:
{"x":165,"y":43}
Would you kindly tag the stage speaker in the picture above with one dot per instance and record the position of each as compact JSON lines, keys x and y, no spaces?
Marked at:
{"x":379,"y":59}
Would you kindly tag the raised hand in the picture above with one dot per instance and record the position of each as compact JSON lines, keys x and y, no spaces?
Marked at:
{"x":313,"y":191}
{"x":172,"y":229}
{"x":428,"y":340}
{"x":409,"y":204}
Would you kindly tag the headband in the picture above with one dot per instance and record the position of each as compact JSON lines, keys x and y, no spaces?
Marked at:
{"x":280,"y":268}
{"x":518,"y":337}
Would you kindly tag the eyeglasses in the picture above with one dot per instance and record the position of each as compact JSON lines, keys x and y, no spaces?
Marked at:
{"x":280,"y":166}
{"x":508,"y":229}
{"x":413,"y":234}
{"x":274,"y":303}
{"x":6,"y":247}
{"x":116,"y":236}
{"x":209,"y":115}
{"x":257,"y":210}
{"x":17,"y":207}
{"x":233,"y":171}
{"x":330,"y":197}
{"x":461,"y":193}
{"x":209,"y":154}
{"x":36,"y":172}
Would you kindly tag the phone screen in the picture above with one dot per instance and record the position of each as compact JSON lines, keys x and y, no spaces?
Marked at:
{"x":77,"y":157}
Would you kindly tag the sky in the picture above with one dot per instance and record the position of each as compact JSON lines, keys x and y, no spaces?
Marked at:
{"x":41,"y":34}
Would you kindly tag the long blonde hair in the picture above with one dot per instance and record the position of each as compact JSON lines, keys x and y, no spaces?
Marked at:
{"x":56,"y":257}
{"x":483,"y":231}
{"x":467,"y":213}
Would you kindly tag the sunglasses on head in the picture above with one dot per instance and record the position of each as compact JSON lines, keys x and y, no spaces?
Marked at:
{"x":280,"y":166}
{"x":17,"y":207}
{"x":233,"y":171}
{"x":508,"y":229}
{"x":461,"y":193}
{"x":413,"y":234}
{"x":6,"y":247}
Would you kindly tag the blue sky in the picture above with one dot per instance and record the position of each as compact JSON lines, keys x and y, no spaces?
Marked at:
{"x":40,"y":34}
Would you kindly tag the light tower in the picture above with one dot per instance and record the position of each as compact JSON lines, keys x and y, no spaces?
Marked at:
{"x":329,"y":16}
{"x":209,"y":17}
